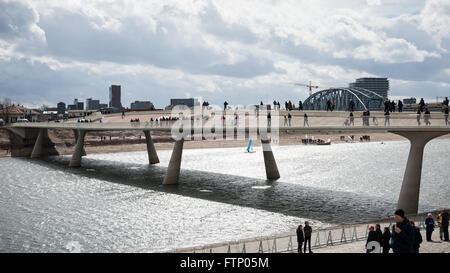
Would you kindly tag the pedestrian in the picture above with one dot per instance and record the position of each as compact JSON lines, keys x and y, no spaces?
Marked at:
{"x":371,"y":238}
{"x":225,"y":104}
{"x":441,"y":231}
{"x":305,"y":120}
{"x":386,"y":244}
{"x":446,"y":115}
{"x":387,"y":119}
{"x":300,"y":105}
{"x":387,"y":105}
{"x":308,"y":233}
{"x":269,"y":120}
{"x":329,"y":106}
{"x":417,"y":237}
{"x":427,"y":116}
{"x":421,"y":105}
{"x":289,"y":119}
{"x":352,"y":119}
{"x":285,"y":121}
{"x":429,"y":227}
{"x":444,"y":218}
{"x":300,"y":238}
{"x":402,"y":234}
{"x":379,"y":234}
{"x":418,"y":117}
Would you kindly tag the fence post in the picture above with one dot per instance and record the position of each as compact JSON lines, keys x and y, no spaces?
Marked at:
{"x":343,"y":235}
{"x":290,"y":244}
{"x":261,"y":249}
{"x":274,"y":247}
{"x":317,"y":243}
{"x":229,"y":249}
{"x":355,"y":234}
{"x":330,"y":239}
{"x":243,"y":249}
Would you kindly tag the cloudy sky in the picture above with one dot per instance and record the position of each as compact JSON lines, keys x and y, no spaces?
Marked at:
{"x":239,"y":51}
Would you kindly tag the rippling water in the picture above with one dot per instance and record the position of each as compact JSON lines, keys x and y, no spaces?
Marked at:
{"x":116,"y":203}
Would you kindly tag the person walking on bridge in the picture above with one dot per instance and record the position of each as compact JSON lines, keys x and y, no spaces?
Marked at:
{"x":305,"y":120}
{"x":418,"y":117}
{"x":352,"y":119}
{"x":300,"y":238}
{"x":387,"y":119}
{"x":446,"y":115}
{"x":427,"y":116}
{"x":308,"y":233}
{"x":289,"y":119}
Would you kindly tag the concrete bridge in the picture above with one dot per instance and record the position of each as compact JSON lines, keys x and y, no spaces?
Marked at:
{"x":36,"y":134}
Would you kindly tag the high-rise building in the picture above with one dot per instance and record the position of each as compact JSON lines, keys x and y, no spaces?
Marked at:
{"x":61,"y":108}
{"x":92,"y":104}
{"x":142,"y":105}
{"x":114,"y":96}
{"x":377,"y":85}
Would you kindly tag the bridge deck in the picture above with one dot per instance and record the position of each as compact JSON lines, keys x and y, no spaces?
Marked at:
{"x":144,"y":126}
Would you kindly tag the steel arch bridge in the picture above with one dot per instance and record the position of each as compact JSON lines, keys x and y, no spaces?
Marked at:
{"x":364,"y":99}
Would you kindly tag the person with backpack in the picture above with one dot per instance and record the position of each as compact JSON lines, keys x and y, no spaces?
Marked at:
{"x":417,"y":237}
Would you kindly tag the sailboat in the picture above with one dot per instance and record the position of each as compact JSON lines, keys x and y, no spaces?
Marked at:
{"x":250,"y":148}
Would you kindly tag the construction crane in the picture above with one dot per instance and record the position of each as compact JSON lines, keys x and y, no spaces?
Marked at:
{"x":310,"y":86}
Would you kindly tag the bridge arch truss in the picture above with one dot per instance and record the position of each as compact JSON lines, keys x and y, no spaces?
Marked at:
{"x":364,"y":99}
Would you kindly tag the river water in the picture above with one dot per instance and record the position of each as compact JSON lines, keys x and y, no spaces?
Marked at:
{"x":116,"y":203}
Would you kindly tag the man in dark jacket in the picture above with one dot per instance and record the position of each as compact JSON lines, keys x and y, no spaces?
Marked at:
{"x":308,"y":233}
{"x":379,"y":234}
{"x":417,"y":237}
{"x":402,"y":234}
{"x":445,"y":219}
{"x":386,"y":240}
{"x":371,"y":238}
{"x":300,"y":238}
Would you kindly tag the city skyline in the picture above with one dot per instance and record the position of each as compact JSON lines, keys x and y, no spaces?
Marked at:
{"x":157,"y":50}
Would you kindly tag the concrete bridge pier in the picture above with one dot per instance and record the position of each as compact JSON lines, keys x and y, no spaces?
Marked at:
{"x":409,"y":194}
{"x":37,"y":149}
{"x":77,"y":154}
{"x":152,"y":155}
{"x":269,"y":160}
{"x":83,"y":152}
{"x":173,"y":171}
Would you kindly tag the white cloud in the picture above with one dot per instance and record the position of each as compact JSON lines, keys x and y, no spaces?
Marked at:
{"x":223,"y":49}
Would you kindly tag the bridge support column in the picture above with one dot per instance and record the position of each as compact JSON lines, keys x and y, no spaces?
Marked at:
{"x":76,"y":156}
{"x":83,"y":152}
{"x":152,"y":155}
{"x":269,"y":160}
{"x":37,"y":149}
{"x":173,"y":171}
{"x":409,"y":194}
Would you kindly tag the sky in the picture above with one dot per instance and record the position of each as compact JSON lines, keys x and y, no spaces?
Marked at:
{"x":241,"y":51}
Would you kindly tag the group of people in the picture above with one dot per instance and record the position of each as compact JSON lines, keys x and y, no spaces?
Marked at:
{"x":389,"y":106}
{"x":405,"y":236}
{"x":304,"y":235}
